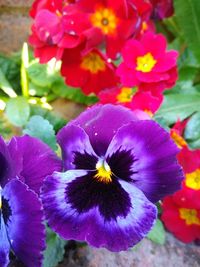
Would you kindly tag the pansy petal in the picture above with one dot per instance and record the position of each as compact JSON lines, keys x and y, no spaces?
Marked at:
{"x":100,"y":117}
{"x":38,"y":160}
{"x":115,"y":234}
{"x":23,"y":217}
{"x":4,"y":244}
{"x":8,"y":166}
{"x":151,"y":159}
{"x":73,"y":139}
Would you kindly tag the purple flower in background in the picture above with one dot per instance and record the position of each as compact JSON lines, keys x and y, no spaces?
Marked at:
{"x":29,"y":159}
{"x":24,"y":163}
{"x":116,"y":166}
{"x":21,"y":227}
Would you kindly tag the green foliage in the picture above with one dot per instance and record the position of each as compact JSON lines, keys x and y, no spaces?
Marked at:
{"x":59,"y":88}
{"x":56,"y":121}
{"x":192,"y":131}
{"x":5,"y":127}
{"x":18,"y":111}
{"x":5,"y":86}
{"x":157,"y":234}
{"x":54,"y":252}
{"x":187,"y":13}
{"x":11,"y":72}
{"x":46,"y":79}
{"x":40,"y":75}
{"x":178,"y":106}
{"x":42,"y":129}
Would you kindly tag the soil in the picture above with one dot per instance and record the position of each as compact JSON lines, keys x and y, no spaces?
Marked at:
{"x":146,"y":254}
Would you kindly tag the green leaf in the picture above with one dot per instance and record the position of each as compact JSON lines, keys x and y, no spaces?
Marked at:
{"x":187,"y":74}
{"x":42,"y":129}
{"x":18,"y":111}
{"x":6,"y":86}
{"x":192,"y":131}
{"x":162,"y":122}
{"x":75,"y":94}
{"x":36,"y":90}
{"x":171,"y":25}
{"x":177,"y":106}
{"x":157,"y":234}
{"x":54,"y":252}
{"x":54,"y":119}
{"x":5,"y":127}
{"x":194,"y":144}
{"x":40,"y":74}
{"x":187,"y":13}
{"x":11,"y":70}
{"x":24,"y":66}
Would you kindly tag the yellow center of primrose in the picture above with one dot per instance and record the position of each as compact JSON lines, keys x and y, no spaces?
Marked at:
{"x":93,"y":63}
{"x":146,"y":63}
{"x":144,"y":26}
{"x":190,"y":216}
{"x":104,"y":172}
{"x":149,"y":112}
{"x":125,"y":95}
{"x":193,"y":180}
{"x":104,"y":19}
{"x":179,"y":140}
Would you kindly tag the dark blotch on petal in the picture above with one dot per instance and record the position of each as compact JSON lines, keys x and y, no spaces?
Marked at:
{"x":6,"y":210}
{"x":84,"y":161}
{"x":121,"y":163}
{"x":85,"y":193}
{"x":3,"y":165}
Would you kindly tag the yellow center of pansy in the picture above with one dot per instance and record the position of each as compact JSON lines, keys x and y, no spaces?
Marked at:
{"x":93,"y":63}
{"x":193,"y":180}
{"x":190,"y":216}
{"x":104,"y":172}
{"x":104,"y":19}
{"x":146,"y":63}
{"x":179,"y":140}
{"x":125,"y":95}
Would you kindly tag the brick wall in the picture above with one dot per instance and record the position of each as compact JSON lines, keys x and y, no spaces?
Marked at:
{"x":14,"y":24}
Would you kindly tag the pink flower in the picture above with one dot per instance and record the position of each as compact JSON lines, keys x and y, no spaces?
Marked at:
{"x":146,"y":63}
{"x":116,"y":21}
{"x":58,"y":26}
{"x":129,"y":98}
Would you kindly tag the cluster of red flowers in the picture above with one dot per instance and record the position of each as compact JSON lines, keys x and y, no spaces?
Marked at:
{"x":88,"y":36}
{"x":181,"y":212}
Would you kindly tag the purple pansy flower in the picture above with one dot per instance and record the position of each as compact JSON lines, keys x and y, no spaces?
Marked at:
{"x":116,"y":166}
{"x":21,"y":227}
{"x":30,"y":160}
{"x":24,"y":163}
